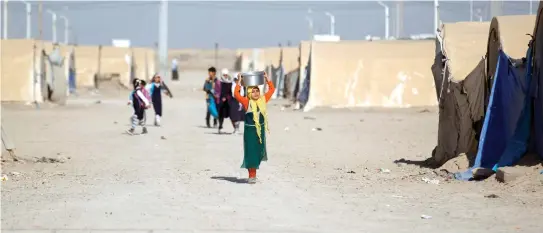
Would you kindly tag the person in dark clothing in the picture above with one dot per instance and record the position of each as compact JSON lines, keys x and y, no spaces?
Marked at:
{"x":224,"y":88}
{"x":209,"y":89}
{"x":155,"y":88}
{"x":237,"y":112}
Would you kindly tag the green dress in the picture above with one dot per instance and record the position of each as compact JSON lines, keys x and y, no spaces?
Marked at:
{"x":254,"y":152}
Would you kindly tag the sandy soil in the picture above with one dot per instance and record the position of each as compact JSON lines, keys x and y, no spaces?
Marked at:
{"x":186,"y":178}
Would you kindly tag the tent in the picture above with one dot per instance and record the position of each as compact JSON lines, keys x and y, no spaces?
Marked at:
{"x":536,"y":90}
{"x":507,"y":123}
{"x":459,"y":74}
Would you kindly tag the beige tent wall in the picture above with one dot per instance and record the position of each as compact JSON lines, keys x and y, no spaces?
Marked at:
{"x":290,"y":58}
{"x":21,"y":64}
{"x":464,"y":44}
{"x":17,"y":74}
{"x":508,"y":33}
{"x":114,"y":62}
{"x":202,"y":59}
{"x":372,"y":74}
{"x":246,"y":56}
{"x":144,"y":60}
{"x":270,"y":56}
{"x":86,"y":64}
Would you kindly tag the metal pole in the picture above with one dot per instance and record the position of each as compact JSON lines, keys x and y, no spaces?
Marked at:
{"x":28,"y":20}
{"x":436,"y":15}
{"x":66,"y":29}
{"x":471,"y":10}
{"x":332,"y":22}
{"x":54,"y":25}
{"x":496,"y":8}
{"x":217,"y":55}
{"x":399,"y":18}
{"x":40,"y":21}
{"x":163,"y":38}
{"x":387,"y":19}
{"x":5,"y":25}
{"x":310,"y":21}
{"x":531,"y":7}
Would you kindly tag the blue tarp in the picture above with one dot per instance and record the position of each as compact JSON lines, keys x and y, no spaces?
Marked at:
{"x":506,"y":129}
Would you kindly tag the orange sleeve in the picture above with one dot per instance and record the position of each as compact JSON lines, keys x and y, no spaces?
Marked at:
{"x":271,"y":90}
{"x":244,"y":101}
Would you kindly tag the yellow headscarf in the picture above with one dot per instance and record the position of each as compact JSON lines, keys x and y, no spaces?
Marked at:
{"x":256,"y":105}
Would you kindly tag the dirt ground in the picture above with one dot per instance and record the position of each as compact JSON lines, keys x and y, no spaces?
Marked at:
{"x":183,"y":177}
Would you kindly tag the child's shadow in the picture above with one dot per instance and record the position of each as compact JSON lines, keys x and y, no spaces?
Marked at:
{"x":230,"y":179}
{"x":216,"y":133}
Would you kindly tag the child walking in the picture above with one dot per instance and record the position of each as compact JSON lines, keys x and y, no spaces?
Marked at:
{"x":155,"y":89}
{"x":139,"y":102}
{"x":255,"y":126}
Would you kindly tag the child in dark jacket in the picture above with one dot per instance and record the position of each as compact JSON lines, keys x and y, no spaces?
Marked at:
{"x":155,"y":88}
{"x":139,"y":102}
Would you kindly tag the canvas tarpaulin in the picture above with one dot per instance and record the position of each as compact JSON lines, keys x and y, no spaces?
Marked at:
{"x":504,"y":103}
{"x":536,"y":90}
{"x":303,"y":96}
{"x":460,"y":111}
{"x":506,"y":129}
{"x":438,"y":69}
{"x":459,"y":74}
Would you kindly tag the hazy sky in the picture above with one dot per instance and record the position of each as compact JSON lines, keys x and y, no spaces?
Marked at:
{"x":238,"y":24}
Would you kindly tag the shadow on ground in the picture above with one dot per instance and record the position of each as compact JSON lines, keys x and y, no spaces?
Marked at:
{"x":230,"y":179}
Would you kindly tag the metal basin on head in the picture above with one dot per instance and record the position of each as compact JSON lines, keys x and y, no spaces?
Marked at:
{"x":251,"y":79}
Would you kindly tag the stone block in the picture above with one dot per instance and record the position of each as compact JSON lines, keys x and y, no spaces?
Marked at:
{"x":508,"y":174}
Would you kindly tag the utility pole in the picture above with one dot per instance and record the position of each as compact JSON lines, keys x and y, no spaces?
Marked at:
{"x":28,"y":20}
{"x":471,"y":10}
{"x":387,"y":19}
{"x":40,"y":20}
{"x":66,"y":28}
{"x":54,"y":24}
{"x":310,"y":21}
{"x":217,"y":55}
{"x":5,"y":21}
{"x":436,"y":15}
{"x":163,"y":38}
{"x":496,"y":8}
{"x":399,"y":17}
{"x":332,"y":22}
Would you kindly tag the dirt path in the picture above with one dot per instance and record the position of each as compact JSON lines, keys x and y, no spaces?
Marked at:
{"x":315,"y":181}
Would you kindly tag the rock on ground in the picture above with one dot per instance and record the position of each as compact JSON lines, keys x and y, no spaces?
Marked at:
{"x":508,"y":174}
{"x":458,"y":164}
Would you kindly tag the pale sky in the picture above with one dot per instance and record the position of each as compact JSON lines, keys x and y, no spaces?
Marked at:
{"x":238,"y":24}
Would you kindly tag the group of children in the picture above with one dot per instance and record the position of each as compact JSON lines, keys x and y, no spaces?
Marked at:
{"x":142,"y":97}
{"x":226,"y":93}
{"x":220,"y":99}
